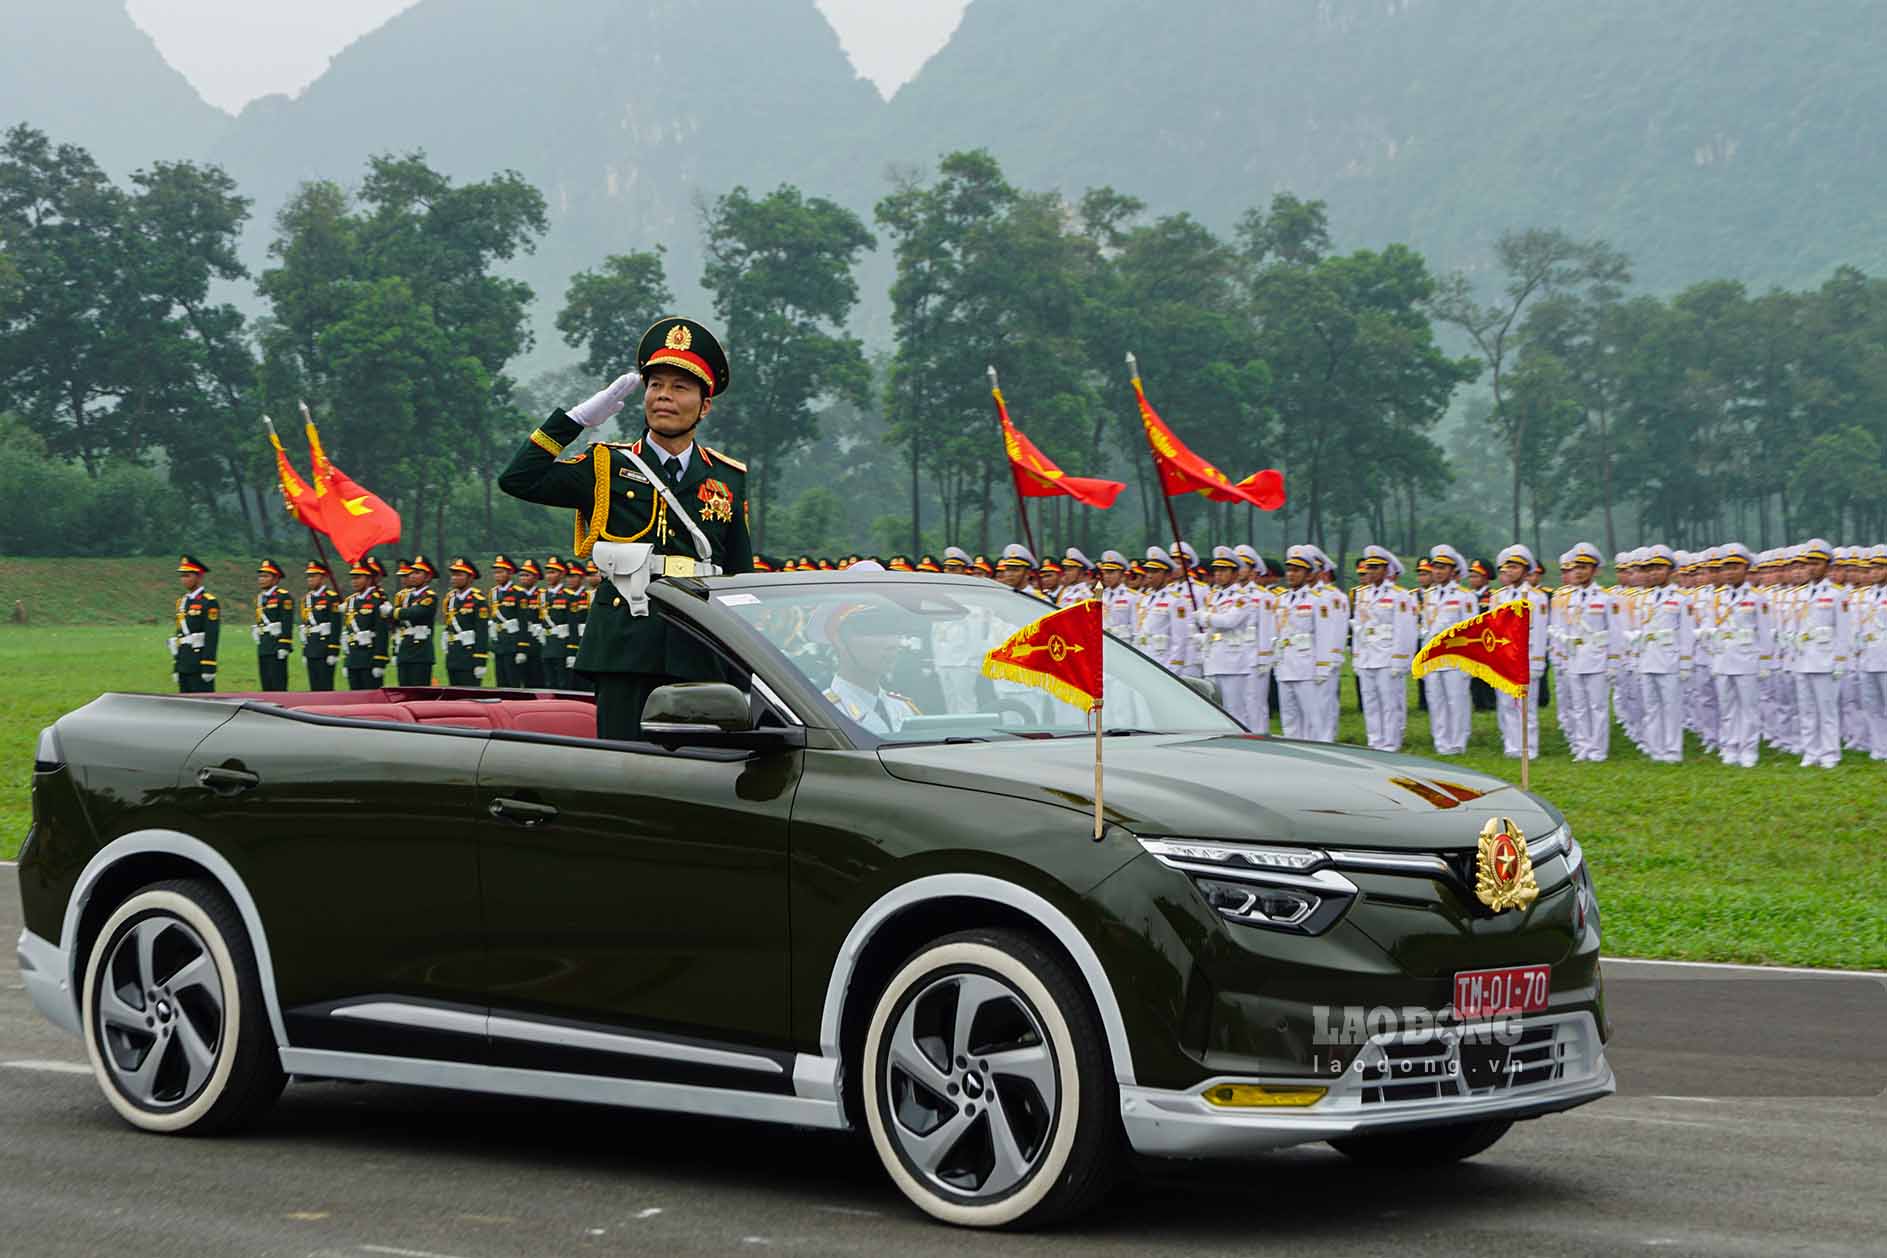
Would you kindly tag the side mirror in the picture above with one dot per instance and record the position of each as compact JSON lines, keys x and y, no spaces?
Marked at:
{"x":696,"y":707}
{"x":1201,"y":686}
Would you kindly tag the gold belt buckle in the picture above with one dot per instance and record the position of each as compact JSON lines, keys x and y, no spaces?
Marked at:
{"x":677,"y":566}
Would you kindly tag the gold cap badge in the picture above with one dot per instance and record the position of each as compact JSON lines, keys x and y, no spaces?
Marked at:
{"x":679,"y":337}
{"x":1503,"y":871}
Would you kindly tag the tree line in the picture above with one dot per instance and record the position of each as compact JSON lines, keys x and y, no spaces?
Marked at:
{"x":131,"y":387}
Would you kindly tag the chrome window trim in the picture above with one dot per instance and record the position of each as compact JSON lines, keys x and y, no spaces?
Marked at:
{"x":771,"y":696}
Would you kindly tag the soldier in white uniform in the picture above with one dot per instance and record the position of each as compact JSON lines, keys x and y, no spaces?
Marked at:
{"x":1299,"y":666}
{"x":1163,"y":622}
{"x":1075,"y":586}
{"x":1230,"y":622}
{"x":1871,"y":651}
{"x":1189,"y":599}
{"x":1383,"y":620}
{"x":866,"y":640}
{"x":1119,"y":601}
{"x":1737,"y":625}
{"x":1335,"y":645}
{"x":1592,"y":640}
{"x":1664,"y":646}
{"x":1822,"y":647}
{"x":958,"y":646}
{"x":1514,"y":567}
{"x":1446,"y":604}
{"x":1251,"y":567}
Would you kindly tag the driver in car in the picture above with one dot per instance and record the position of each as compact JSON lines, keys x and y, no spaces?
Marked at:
{"x":866,"y":640}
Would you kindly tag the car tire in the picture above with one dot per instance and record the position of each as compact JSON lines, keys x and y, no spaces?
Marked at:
{"x":173,"y":1016}
{"x":1429,"y":1146}
{"x":1051,"y":1144}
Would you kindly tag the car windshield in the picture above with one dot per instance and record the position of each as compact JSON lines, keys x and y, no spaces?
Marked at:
{"x":901,"y":661}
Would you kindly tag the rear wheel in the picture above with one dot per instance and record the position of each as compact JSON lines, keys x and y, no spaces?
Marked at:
{"x":1429,"y":1146}
{"x":173,"y":1015}
{"x":988,"y":1090}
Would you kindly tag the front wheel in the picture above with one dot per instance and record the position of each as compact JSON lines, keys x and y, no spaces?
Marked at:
{"x":989,"y":1092}
{"x":1430,"y":1146}
{"x":173,"y":1015}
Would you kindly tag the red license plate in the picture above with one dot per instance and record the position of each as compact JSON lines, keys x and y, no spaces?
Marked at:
{"x":1501,"y":993}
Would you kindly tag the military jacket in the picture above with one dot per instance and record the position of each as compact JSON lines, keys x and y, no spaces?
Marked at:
{"x":557,"y":616}
{"x":274,"y":629}
{"x":580,"y":604}
{"x":414,"y":611}
{"x":467,"y":627}
{"x":1736,"y":626}
{"x":365,"y":618}
{"x":614,"y":502}
{"x":322,"y":618}
{"x":1385,"y":622}
{"x":199,"y":625}
{"x":509,"y":606}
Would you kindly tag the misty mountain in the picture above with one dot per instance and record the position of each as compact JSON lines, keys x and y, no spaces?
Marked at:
{"x":1704,"y":138}
{"x":82,"y":71}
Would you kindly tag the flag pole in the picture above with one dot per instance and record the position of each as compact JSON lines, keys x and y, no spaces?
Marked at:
{"x":312,"y":535}
{"x":1525,"y":760}
{"x":1172,"y":517}
{"x":1098,"y":723}
{"x":1022,"y":507}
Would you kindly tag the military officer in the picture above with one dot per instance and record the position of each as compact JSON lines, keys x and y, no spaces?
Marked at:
{"x":1300,"y":664}
{"x":1871,"y":651}
{"x":274,"y":629}
{"x":1014,"y":569}
{"x":1255,"y":570}
{"x":320,"y":625}
{"x":1334,"y":644}
{"x":1664,"y":644}
{"x":1738,"y":625}
{"x":1164,"y":627}
{"x":193,"y":646}
{"x":507,"y":623}
{"x":1823,"y":649}
{"x":467,"y":625}
{"x":1446,"y":604}
{"x":556,"y":618}
{"x":1384,"y":618}
{"x":524,"y":643}
{"x":866,"y":641}
{"x":1593,"y":639}
{"x":699,"y":496}
{"x":1514,"y":568}
{"x":414,"y":615}
{"x":1118,"y":599}
{"x":577,"y":613}
{"x":362,"y":612}
{"x":1230,"y":620}
{"x":383,"y":620}
{"x":1075,"y":586}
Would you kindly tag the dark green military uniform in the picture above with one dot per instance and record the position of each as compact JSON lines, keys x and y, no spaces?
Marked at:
{"x":467,"y":630}
{"x":415,"y":610}
{"x":321,"y":629}
{"x":507,"y":611}
{"x":274,"y":629}
{"x":199,"y":626}
{"x":365,"y":620}
{"x":580,"y":600}
{"x":559,"y":620}
{"x":627,"y":656}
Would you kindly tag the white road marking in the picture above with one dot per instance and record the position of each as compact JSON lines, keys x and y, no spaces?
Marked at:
{"x":1700,"y":1100}
{"x":55,"y":1067}
{"x":1753,"y":969}
{"x":649,"y":1213}
{"x":1655,"y":1122}
{"x":862,"y":1214}
{"x":403,"y":1253}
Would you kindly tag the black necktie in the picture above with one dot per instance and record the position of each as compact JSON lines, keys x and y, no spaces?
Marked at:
{"x":671,"y":469}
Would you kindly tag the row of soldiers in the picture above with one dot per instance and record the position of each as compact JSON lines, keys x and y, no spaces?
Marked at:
{"x":529,"y":625}
{"x":1788,"y":647}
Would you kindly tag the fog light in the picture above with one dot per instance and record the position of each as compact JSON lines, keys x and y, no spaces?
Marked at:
{"x":1262,"y":1096}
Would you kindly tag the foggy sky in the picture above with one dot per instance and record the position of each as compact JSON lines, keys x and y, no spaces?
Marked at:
{"x":233,"y":51}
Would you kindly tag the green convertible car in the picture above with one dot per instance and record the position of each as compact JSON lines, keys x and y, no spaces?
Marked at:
{"x":845,"y":881}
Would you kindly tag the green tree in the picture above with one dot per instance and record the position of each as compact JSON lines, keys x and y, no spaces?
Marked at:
{"x":1842,"y":478}
{"x":606,"y":311}
{"x":780,"y":268}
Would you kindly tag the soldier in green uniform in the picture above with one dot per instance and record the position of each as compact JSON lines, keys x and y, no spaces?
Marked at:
{"x":274,"y":629}
{"x":467,"y":626}
{"x":364,"y":615}
{"x":524,"y":643}
{"x":505,"y":620}
{"x":383,"y":621}
{"x":625,"y":654}
{"x":193,"y":646}
{"x":413,"y":617}
{"x":576,"y":596}
{"x":320,"y":626}
{"x":554,"y":623}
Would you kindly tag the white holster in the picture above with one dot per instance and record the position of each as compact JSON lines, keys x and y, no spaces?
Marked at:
{"x":626,"y":564}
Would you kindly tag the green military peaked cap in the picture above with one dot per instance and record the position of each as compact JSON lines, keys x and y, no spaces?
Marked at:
{"x":673,"y":341}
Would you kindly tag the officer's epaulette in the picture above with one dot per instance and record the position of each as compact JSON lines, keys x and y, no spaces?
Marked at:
{"x":904,"y":699}
{"x":734,"y":463}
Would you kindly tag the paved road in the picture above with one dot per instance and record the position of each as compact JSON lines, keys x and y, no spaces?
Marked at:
{"x":1751,"y":1123}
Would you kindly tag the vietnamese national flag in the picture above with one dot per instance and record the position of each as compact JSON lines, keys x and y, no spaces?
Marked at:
{"x":1060,"y":653}
{"x":1038,"y":477}
{"x":357,"y":519}
{"x":1183,"y":472}
{"x":1491,"y":646}
{"x":296,"y":496}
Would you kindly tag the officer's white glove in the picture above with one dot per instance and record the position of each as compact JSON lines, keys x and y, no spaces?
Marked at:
{"x":1685,"y":670}
{"x":518,"y":658}
{"x":479,"y":672}
{"x":363,"y":637}
{"x":255,"y":633}
{"x":1840,"y":671}
{"x":465,"y":637}
{"x":606,"y":403}
{"x":282,"y":653}
{"x":560,"y":631}
{"x":580,"y":628}
{"x":171,"y":642}
{"x":207,"y":676}
{"x":386,"y":609}
{"x":379,"y":673}
{"x":421,"y":632}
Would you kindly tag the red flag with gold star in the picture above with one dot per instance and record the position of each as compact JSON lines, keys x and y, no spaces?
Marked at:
{"x":1037,"y":476}
{"x":1060,"y":653}
{"x":296,"y":496}
{"x":1491,"y":646}
{"x":356,"y":518}
{"x":1183,"y":472}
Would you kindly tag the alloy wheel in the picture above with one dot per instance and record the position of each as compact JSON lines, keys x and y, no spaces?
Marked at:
{"x":160,"y":1012}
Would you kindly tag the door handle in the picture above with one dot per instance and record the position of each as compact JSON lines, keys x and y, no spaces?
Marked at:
{"x":227,"y":782}
{"x":522,"y":812}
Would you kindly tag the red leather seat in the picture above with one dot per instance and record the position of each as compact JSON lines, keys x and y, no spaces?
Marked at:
{"x":364,"y":711}
{"x":467,"y":712}
{"x":573,"y":718}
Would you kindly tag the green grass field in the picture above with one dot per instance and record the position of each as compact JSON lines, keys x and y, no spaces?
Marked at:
{"x":1775,"y":864}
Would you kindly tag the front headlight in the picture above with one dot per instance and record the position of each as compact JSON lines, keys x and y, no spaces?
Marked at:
{"x":1585,"y":895}
{"x":1274,"y":887}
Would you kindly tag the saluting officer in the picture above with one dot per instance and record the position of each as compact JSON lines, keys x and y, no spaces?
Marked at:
{"x":467,"y":625}
{"x":413,"y":617}
{"x":274,"y":630}
{"x":664,"y":489}
{"x":193,"y":646}
{"x":320,"y":626}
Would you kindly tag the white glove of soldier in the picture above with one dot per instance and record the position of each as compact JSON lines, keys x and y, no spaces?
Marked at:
{"x":509,"y":626}
{"x":606,"y":403}
{"x":560,"y":631}
{"x":479,"y":672}
{"x":255,"y":633}
{"x":207,"y":676}
{"x":171,"y":642}
{"x":379,"y":673}
{"x":363,"y":637}
{"x":282,"y":653}
{"x":465,"y":637}
{"x":518,"y":658}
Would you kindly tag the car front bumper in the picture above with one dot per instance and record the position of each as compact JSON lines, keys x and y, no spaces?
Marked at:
{"x":1166,"y":1123}
{"x":44,"y":970}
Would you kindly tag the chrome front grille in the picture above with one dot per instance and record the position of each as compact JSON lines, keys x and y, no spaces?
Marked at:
{"x":1450,"y":1063}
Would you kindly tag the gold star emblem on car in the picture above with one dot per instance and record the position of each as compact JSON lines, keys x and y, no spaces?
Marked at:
{"x":1503,"y":871}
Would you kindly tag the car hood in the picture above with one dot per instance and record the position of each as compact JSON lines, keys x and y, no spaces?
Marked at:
{"x":1239,"y":787}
